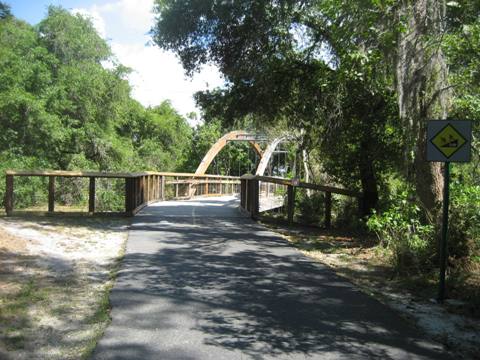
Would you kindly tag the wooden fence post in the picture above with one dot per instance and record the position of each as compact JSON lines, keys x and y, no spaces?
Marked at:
{"x":176,"y":187}
{"x":51,"y":194}
{"x":91,"y":195}
{"x":129,"y":196}
{"x":9,"y":194}
{"x":243,"y":193}
{"x":147,"y":188}
{"x":290,"y":203}
{"x":328,"y":210}
{"x":135,"y":192}
{"x":255,"y":198}
{"x":162,"y":188}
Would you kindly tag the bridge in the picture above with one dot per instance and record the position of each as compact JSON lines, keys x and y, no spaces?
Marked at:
{"x":258,"y":193}
{"x":201,"y":279}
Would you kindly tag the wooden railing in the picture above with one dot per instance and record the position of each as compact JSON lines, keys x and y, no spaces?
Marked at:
{"x":141,"y":189}
{"x":250,"y":191}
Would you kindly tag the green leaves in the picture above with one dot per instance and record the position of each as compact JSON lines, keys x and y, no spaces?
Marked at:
{"x":72,"y":38}
{"x":61,"y":109}
{"x":400,"y":230}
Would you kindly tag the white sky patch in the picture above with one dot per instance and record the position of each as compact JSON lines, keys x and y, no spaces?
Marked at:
{"x":96,"y":19}
{"x":134,"y":14}
{"x":157,"y":74}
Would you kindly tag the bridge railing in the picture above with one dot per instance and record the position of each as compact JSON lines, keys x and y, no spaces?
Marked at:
{"x":139,"y":189}
{"x":254,"y":189}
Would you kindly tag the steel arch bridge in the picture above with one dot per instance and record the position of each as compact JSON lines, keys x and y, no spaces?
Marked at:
{"x":241,"y":135}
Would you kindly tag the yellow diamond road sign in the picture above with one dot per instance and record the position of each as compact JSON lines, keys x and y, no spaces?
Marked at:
{"x":449,"y":140}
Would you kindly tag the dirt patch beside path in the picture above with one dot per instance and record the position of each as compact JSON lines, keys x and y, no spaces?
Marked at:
{"x":55,"y":276}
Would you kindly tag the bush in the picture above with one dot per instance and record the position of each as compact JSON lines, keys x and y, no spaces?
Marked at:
{"x":464,"y":221}
{"x":311,"y":209}
{"x":346,"y":214}
{"x":399,"y":229}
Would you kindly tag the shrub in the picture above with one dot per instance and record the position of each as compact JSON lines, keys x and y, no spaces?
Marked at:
{"x":399,"y":229}
{"x":311,"y":208}
{"x":464,"y":221}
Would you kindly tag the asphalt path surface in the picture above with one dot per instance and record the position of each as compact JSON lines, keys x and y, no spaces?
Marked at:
{"x":201,"y":281}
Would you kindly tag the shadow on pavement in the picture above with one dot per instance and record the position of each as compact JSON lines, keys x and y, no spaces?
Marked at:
{"x":227,"y":288}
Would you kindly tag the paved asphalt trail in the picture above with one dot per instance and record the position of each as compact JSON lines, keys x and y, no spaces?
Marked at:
{"x":200,"y":281}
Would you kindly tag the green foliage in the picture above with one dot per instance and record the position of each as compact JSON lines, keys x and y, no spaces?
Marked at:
{"x":72,"y":38}
{"x":5,"y":10}
{"x":306,"y":70}
{"x":310,"y":208}
{"x":464,"y":224}
{"x":400,"y":230}
{"x":60,"y":108}
{"x":236,"y":158}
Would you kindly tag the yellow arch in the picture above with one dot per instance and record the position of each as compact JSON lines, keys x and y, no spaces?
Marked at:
{"x":237,"y":135}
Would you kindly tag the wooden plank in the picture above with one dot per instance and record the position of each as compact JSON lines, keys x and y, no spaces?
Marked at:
{"x":135,"y":192}
{"x":148,"y":188}
{"x":51,"y":194}
{"x":256,"y":199}
{"x":68,"y":173}
{"x":91,"y":195}
{"x":328,"y":210}
{"x":9,"y":194}
{"x":247,"y":195}
{"x":99,"y":174}
{"x":162,"y":187}
{"x":281,"y":181}
{"x":129,"y":195}
{"x":193,"y":181}
{"x":290,"y":203}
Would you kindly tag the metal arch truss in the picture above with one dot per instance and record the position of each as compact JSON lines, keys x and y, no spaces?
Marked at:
{"x":240,"y":135}
{"x":237,"y":135}
{"x":267,"y":154}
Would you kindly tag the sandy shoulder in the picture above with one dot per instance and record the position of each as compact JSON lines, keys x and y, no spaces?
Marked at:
{"x":54,"y":275}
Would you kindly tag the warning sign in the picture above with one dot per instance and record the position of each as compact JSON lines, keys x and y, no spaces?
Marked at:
{"x":448,"y":140}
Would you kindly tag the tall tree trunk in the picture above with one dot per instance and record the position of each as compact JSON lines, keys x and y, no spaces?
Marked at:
{"x":422,"y":80}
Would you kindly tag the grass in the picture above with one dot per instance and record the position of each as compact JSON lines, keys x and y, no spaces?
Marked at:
{"x":44,"y":311}
{"x":14,"y":313}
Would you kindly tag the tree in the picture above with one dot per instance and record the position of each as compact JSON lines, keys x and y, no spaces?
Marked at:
{"x":288,"y":62}
{"x":72,"y":38}
{"x":423,"y":89}
{"x":5,"y":10}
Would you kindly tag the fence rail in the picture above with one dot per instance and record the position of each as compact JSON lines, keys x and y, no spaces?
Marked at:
{"x":251,"y":189}
{"x":141,"y":188}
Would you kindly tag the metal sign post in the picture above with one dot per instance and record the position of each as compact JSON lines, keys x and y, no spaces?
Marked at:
{"x":443,"y":245}
{"x":447,"y":141}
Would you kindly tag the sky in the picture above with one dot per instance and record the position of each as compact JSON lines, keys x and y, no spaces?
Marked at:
{"x":157,"y":74}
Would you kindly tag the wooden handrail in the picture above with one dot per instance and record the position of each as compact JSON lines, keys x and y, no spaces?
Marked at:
{"x":141,"y":188}
{"x":100,"y":174}
{"x":250,"y":195}
{"x":289,"y":182}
